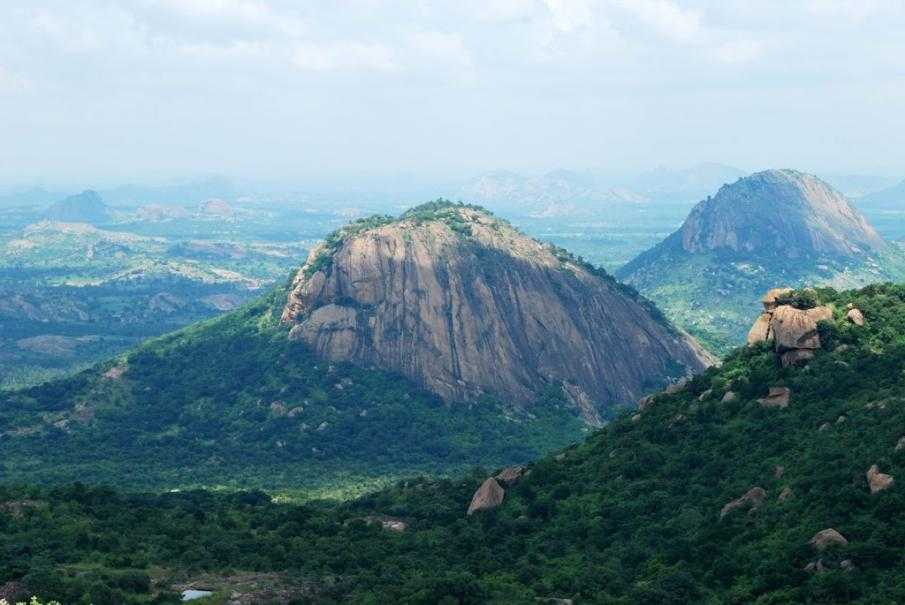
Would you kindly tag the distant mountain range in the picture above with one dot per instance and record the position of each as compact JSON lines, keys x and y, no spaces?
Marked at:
{"x":85,"y":207}
{"x":777,"y":226}
{"x":892,"y":198}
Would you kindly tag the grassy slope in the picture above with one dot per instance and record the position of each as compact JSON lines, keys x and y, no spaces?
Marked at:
{"x":629,"y":516}
{"x":213,"y":405}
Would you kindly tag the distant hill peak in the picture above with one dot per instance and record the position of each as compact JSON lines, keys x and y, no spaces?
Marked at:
{"x":85,"y":207}
{"x":783,"y":213}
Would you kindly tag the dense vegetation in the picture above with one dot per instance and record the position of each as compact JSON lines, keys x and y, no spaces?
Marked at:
{"x":632,"y":515}
{"x":233,"y":402}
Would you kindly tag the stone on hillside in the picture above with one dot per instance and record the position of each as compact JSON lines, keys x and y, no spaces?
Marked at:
{"x":878,"y":481}
{"x":636,"y":418}
{"x":855,"y":316}
{"x":779,"y":471}
{"x":770,"y":298}
{"x":489,"y":495}
{"x":815,"y":567}
{"x":511,"y":474}
{"x":760,"y":331}
{"x":729,"y":397}
{"x":826,"y":538}
{"x":847,"y":565}
{"x":785,"y":494}
{"x":824,"y":427}
{"x":821,"y":313}
{"x":796,"y":357}
{"x":794,"y":329}
{"x":901,"y":444}
{"x":387,"y":522}
{"x":676,"y":387}
{"x":752,"y":500}
{"x":645,"y":402}
{"x":777,"y":397}
{"x":705,"y":395}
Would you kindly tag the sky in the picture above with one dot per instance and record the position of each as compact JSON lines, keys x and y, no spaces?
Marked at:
{"x":136,"y":90}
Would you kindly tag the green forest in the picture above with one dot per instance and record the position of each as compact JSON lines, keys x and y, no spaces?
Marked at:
{"x":637,"y":513}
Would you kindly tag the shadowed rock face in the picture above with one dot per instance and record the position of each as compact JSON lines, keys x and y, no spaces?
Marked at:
{"x":483,"y":309}
{"x":785,"y":212}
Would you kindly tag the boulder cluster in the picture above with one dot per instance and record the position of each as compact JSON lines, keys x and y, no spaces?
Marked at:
{"x":793,"y":331}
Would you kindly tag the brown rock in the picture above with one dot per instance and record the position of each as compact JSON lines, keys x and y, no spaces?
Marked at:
{"x":465,"y":312}
{"x":752,"y":500}
{"x":777,"y":397}
{"x":511,"y":474}
{"x":761,"y":331}
{"x":489,"y":495}
{"x":769,"y":299}
{"x":116,"y":372}
{"x":855,"y":316}
{"x":826,"y":538}
{"x":785,"y":494}
{"x":878,"y":481}
{"x":796,"y":357}
{"x":794,"y":329}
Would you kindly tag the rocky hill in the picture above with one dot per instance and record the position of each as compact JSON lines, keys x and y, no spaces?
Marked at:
{"x":85,"y":207}
{"x":465,"y":305}
{"x":430,"y":342}
{"x":754,"y":482}
{"x":777,"y":226}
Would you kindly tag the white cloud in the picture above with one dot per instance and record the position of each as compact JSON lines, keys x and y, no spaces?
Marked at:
{"x":570,"y":15}
{"x":444,"y":48}
{"x":667,"y":18}
{"x":740,"y":51}
{"x":253,"y":13}
{"x":344,"y":56}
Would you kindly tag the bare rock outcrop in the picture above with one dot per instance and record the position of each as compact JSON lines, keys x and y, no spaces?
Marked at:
{"x":490,"y":495}
{"x":878,"y":481}
{"x":785,"y":494}
{"x":465,"y":305}
{"x":855,"y":316}
{"x":793,"y":331}
{"x":752,"y":500}
{"x":777,"y":397}
{"x":826,"y":538}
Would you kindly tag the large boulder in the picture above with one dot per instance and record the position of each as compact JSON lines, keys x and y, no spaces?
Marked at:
{"x":770,"y":299}
{"x":878,"y":481}
{"x":752,"y":500}
{"x":855,"y":316}
{"x":489,"y":495}
{"x":761,"y":331}
{"x":777,"y":397}
{"x":794,"y":329}
{"x":826,"y":538}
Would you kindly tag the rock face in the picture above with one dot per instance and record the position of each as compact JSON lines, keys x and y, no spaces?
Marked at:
{"x":855,"y":316}
{"x":826,"y":538}
{"x":489,"y":495}
{"x":792,"y":214}
{"x":777,"y":397}
{"x":462,"y":303}
{"x":878,"y":481}
{"x":752,"y":500}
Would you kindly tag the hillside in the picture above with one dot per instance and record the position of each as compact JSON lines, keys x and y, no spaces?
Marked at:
{"x":773,"y":227}
{"x":242,"y":400}
{"x":714,"y":493}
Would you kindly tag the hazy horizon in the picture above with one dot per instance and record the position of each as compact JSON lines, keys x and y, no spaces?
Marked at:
{"x":99,"y":93}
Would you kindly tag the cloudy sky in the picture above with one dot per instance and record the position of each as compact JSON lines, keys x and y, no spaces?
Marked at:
{"x":341,"y":89}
